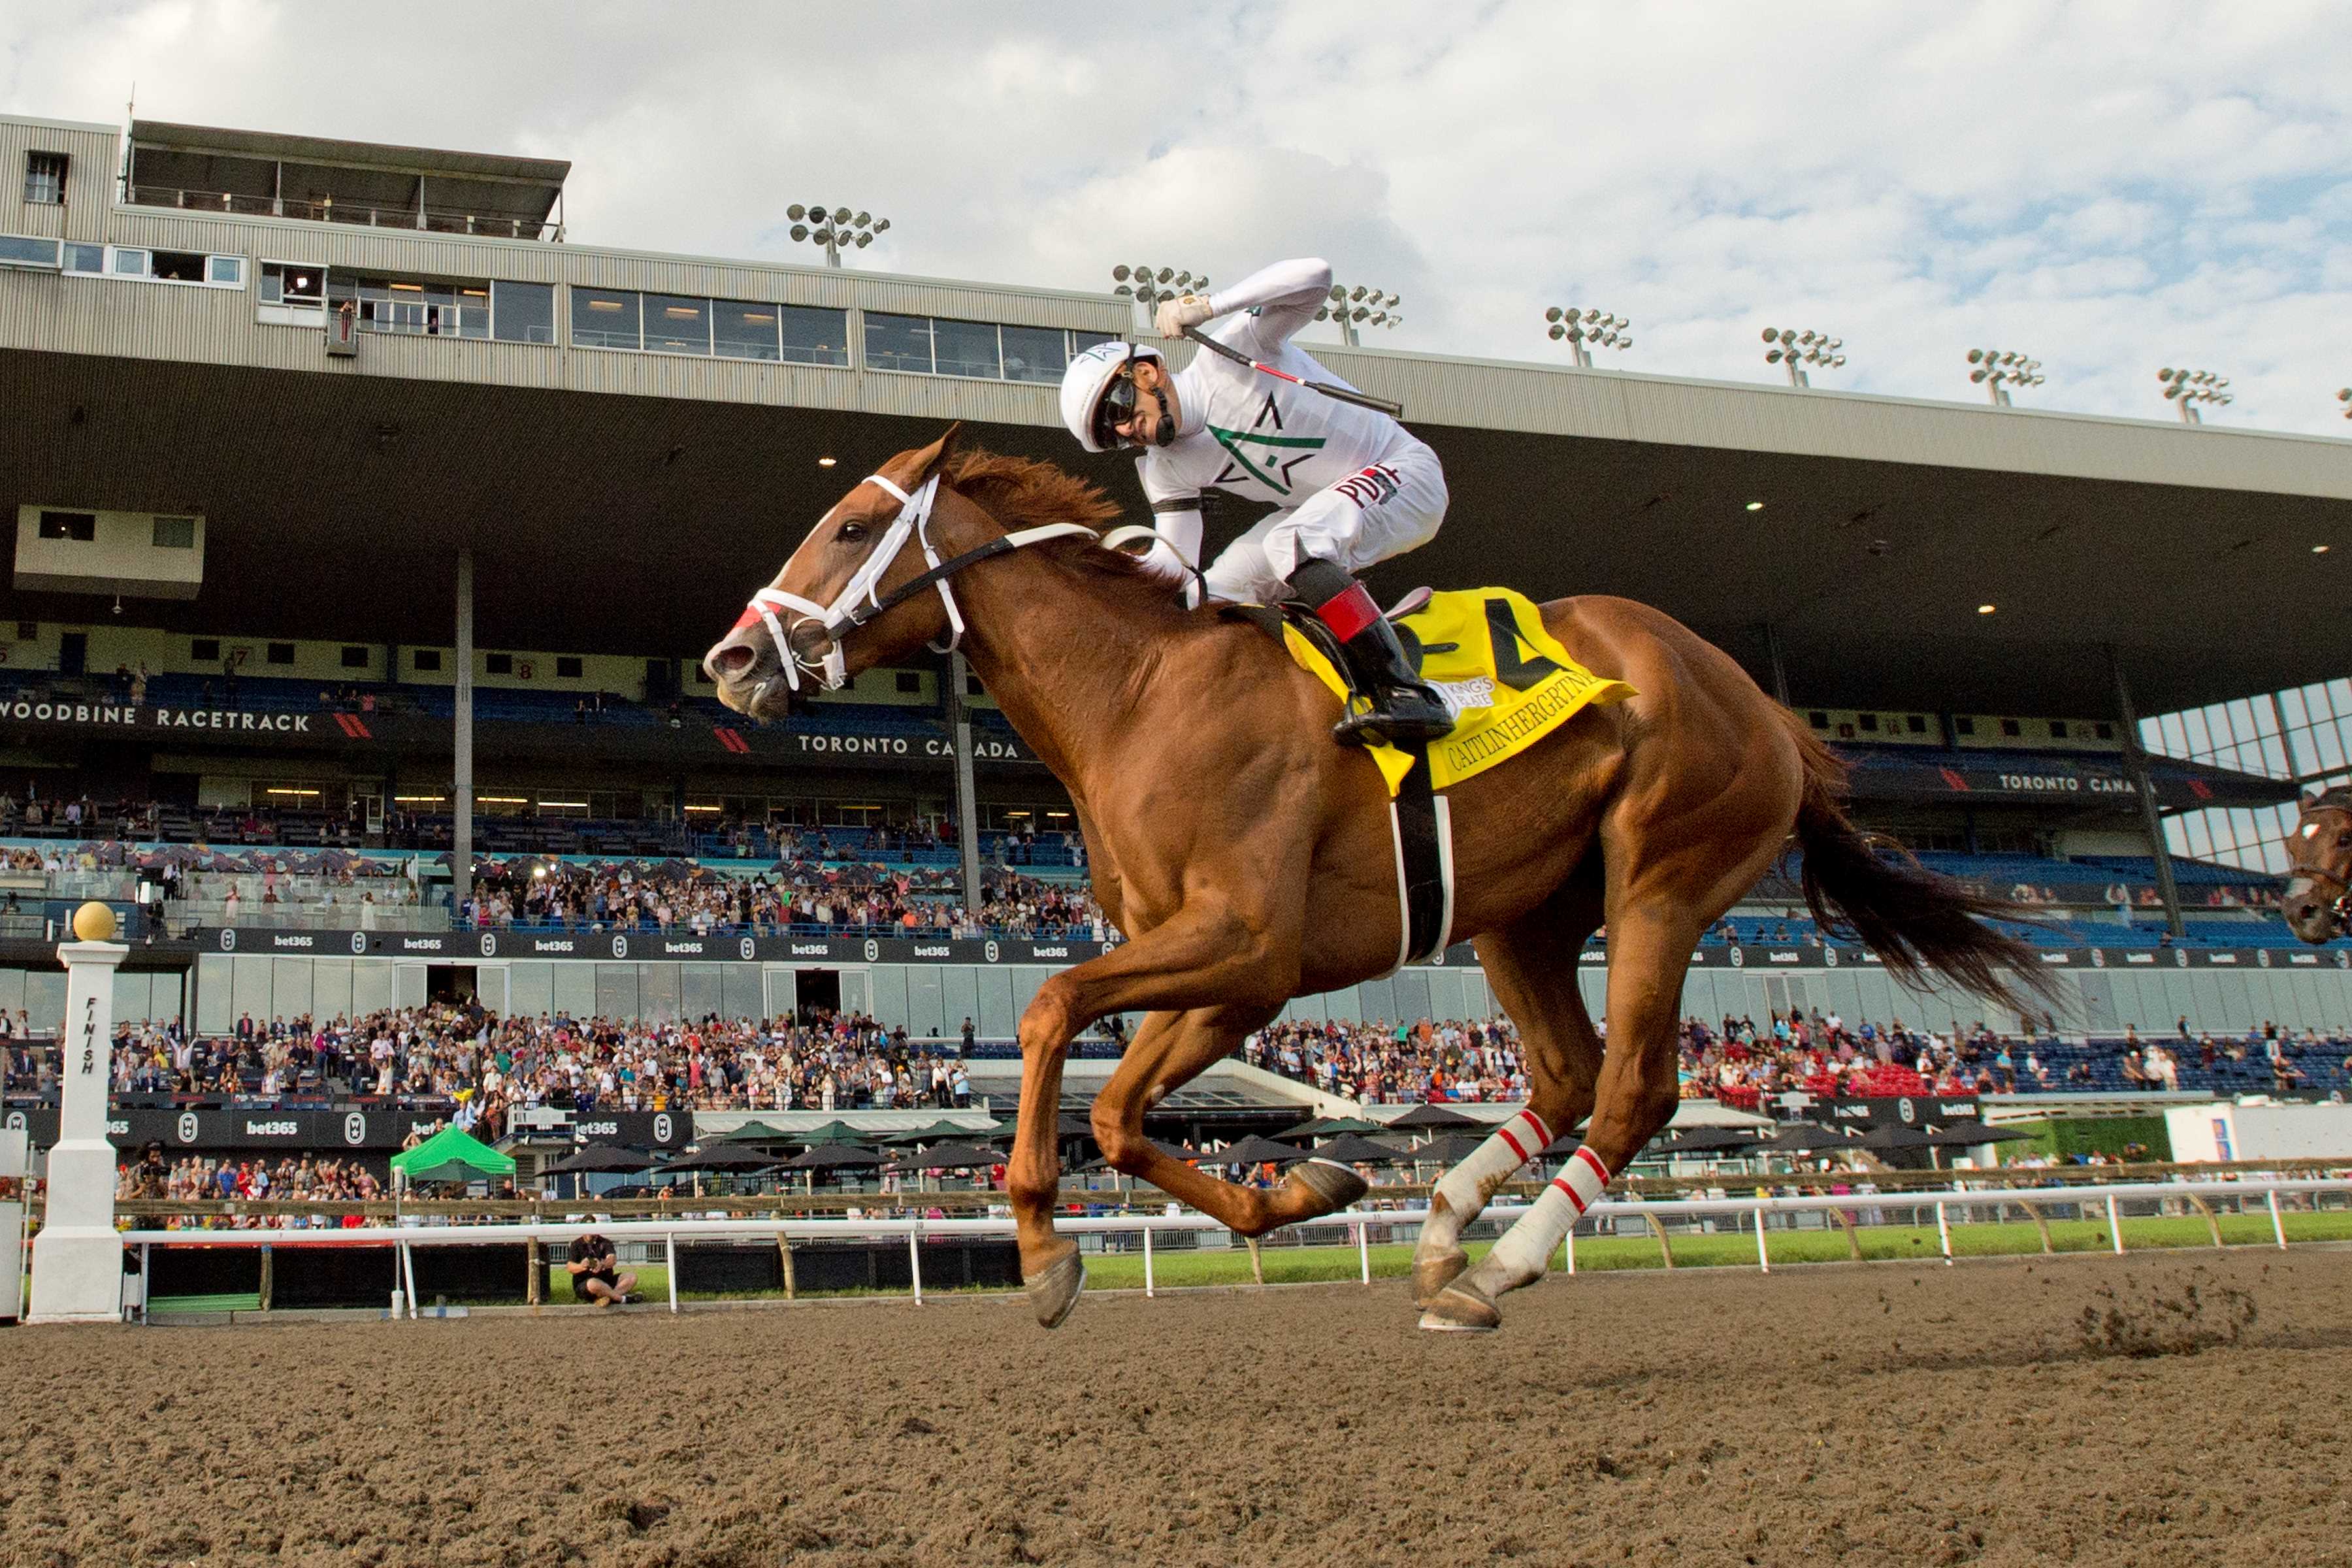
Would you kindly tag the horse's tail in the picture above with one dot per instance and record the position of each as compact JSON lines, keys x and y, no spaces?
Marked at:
{"x":1913,"y":919}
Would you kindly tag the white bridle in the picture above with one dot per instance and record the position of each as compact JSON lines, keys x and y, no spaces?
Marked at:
{"x":861,"y":598}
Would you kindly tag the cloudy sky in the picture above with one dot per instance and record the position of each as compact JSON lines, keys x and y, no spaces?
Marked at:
{"x":2108,"y":187}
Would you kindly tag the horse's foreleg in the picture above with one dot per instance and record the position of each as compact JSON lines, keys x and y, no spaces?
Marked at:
{"x":1206,"y":955}
{"x":1636,"y":1096}
{"x":1531,"y":967}
{"x":1170,"y":1050}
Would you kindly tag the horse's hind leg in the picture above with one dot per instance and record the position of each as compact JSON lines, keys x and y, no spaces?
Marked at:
{"x":1531,"y":966}
{"x":1169,"y":1050}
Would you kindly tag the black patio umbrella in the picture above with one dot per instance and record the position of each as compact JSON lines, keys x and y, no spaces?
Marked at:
{"x":602,"y":1159}
{"x":834,"y":1131}
{"x":1806,"y":1138}
{"x":1893,"y":1136}
{"x":1070,"y":1125}
{"x":938,"y":1131}
{"x":1254,"y":1150}
{"x":1967,"y":1134}
{"x":1173,"y":1150}
{"x":1329,"y":1126}
{"x":947,"y":1157}
{"x":1451,"y":1149}
{"x":753,"y":1132}
{"x":1704,"y":1141}
{"x":1432,"y":1118}
{"x":832,"y":1156}
{"x":1353,"y":1149}
{"x":722,"y":1157}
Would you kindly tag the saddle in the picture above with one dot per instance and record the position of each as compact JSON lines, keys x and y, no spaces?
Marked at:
{"x":1510,"y":682}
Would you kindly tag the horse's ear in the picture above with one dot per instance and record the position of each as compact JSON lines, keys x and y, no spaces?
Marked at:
{"x":936,"y":457}
{"x":2309,"y":799}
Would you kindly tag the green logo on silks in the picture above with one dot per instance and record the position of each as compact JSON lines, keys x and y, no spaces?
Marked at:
{"x":1232,"y":441}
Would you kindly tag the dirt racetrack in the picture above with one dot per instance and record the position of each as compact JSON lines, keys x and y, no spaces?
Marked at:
{"x":1885,"y":1414}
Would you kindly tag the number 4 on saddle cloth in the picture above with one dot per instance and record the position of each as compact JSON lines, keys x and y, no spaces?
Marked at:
{"x":1508,"y":682}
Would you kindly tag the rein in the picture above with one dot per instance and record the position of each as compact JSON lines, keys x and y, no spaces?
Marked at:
{"x":846,"y":612}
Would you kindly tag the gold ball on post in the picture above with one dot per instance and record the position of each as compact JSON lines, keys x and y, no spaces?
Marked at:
{"x":94,"y":922}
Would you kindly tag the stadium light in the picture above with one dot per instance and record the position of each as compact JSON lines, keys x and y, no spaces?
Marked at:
{"x":1147,"y":286}
{"x":1796,"y":350}
{"x":1997,"y":371}
{"x":2345,"y":397}
{"x":837,"y":229}
{"x":1580,"y":330}
{"x":1358,"y":306}
{"x":2191,"y":387}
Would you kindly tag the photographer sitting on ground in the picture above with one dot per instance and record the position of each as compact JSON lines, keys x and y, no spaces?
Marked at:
{"x":595,"y":1272}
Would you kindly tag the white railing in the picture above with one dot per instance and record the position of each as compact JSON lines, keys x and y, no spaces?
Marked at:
{"x":1749,"y":1211}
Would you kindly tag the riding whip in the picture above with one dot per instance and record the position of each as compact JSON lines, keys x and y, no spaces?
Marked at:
{"x":1338,"y":393}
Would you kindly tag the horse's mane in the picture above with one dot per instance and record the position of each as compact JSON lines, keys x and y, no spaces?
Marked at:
{"x":1027,"y":492}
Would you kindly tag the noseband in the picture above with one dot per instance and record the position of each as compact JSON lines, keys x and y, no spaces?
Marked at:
{"x":861,"y":599}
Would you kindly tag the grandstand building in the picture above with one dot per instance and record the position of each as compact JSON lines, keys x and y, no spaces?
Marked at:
{"x":359,"y":508}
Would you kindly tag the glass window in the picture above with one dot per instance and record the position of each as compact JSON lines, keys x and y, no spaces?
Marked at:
{"x":814,"y":335}
{"x":45,"y":178}
{"x":85,"y":258}
{"x":1035,"y":353}
{"x":677,"y":325}
{"x":129,"y":263}
{"x":293,"y":283}
{"x":227,"y":270}
{"x":743,"y":330}
{"x":79,"y":526}
{"x":898,"y":342}
{"x":522,"y":313}
{"x":967,"y":348}
{"x":2291,"y":704}
{"x":25,"y":250}
{"x":1081,"y":342}
{"x":176,"y":265}
{"x":603,"y":318}
{"x":175,"y":533}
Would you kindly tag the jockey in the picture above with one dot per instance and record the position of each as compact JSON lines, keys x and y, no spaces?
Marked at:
{"x":1351,"y":486}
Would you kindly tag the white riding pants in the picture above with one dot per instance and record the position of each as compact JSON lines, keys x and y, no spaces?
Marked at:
{"x":1379,"y":511}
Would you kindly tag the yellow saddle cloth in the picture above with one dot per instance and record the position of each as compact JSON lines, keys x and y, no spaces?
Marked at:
{"x":1507,"y":679}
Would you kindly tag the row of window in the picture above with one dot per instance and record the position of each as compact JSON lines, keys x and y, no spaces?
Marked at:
{"x":421,"y":660}
{"x":601,"y":317}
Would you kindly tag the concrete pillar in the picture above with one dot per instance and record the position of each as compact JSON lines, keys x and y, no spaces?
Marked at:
{"x":966,"y":791}
{"x":461,"y":805}
{"x":2135,"y":764}
{"x":78,"y":1257}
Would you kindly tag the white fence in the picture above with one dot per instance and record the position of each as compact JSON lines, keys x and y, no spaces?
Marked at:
{"x":1747,"y":1213}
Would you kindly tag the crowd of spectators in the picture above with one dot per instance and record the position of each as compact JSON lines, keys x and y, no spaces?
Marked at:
{"x":483,"y":1067}
{"x":1392,"y":1063}
{"x":807,"y":889}
{"x":1743,"y":1064}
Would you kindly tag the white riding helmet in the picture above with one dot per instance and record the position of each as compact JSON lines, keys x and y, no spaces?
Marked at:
{"x":1084,"y":383}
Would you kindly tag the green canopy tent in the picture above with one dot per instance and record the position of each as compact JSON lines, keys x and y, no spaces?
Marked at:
{"x":452,"y":1155}
{"x":834,"y":1131}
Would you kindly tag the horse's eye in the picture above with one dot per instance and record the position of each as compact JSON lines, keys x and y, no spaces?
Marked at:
{"x":851,"y":533}
{"x":2344,"y":841}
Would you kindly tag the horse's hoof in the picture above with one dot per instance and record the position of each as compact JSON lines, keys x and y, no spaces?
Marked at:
{"x":1327,"y":1186}
{"x":1462,"y":1309}
{"x":1053,"y":1294}
{"x":1434,"y":1273}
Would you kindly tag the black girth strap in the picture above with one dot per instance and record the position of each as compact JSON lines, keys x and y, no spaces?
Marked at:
{"x":1422,"y":831}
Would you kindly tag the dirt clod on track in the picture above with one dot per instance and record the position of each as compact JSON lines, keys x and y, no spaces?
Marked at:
{"x":1878,"y":1415}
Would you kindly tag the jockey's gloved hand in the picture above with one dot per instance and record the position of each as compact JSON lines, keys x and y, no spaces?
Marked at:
{"x":1185,"y":310}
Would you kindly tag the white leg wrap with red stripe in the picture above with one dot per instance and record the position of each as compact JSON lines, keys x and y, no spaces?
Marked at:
{"x":1466,"y":1187}
{"x":1527,"y":1248}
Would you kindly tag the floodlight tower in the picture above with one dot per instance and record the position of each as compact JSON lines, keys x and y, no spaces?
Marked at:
{"x":2191,"y":387}
{"x":1148,"y":285}
{"x":1997,"y":369}
{"x":1358,"y":306}
{"x":1582,"y":331}
{"x":835,"y":229}
{"x":1796,"y":350}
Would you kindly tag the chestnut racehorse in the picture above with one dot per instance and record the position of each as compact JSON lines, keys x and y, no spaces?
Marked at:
{"x":1247,"y":857}
{"x":2317,"y":898}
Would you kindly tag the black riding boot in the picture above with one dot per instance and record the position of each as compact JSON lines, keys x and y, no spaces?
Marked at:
{"x":1404,"y":711}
